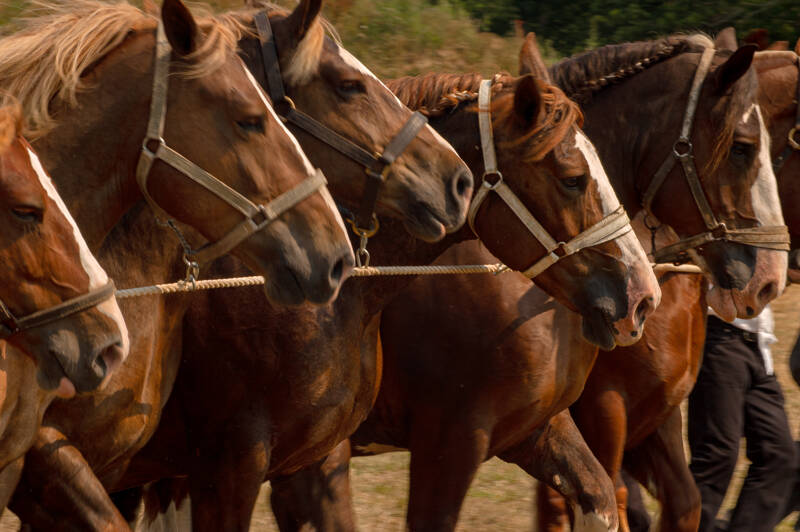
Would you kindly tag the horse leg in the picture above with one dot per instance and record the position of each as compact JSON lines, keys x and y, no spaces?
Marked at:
{"x":659,"y":463}
{"x":226,"y":476}
{"x":445,"y":455}
{"x":551,"y":509}
{"x":638,"y":517}
{"x":316,"y":497}
{"x":558,"y":455}
{"x":603,"y":421}
{"x":9,"y":478}
{"x":59,"y":491}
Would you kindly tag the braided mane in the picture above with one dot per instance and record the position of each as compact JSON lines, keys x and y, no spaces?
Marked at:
{"x":435,"y":94}
{"x":585,"y":74}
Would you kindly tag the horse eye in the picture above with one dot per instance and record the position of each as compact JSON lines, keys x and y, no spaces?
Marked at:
{"x":573,"y":183}
{"x":741,"y":149}
{"x":351,"y":87}
{"x":28,"y":213}
{"x":253,"y":124}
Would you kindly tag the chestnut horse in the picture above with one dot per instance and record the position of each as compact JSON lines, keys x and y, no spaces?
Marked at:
{"x":646,"y":437}
{"x":219,"y":117}
{"x":491,"y":373}
{"x":85,"y":77}
{"x":61,"y":331}
{"x":301,"y":380}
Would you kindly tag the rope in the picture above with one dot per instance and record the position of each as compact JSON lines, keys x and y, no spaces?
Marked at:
{"x":370,"y":271}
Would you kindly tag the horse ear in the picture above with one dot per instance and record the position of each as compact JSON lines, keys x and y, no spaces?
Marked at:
{"x":527,"y":100}
{"x":726,"y":39}
{"x":303,"y":17}
{"x":10,"y":118}
{"x":180,"y":27}
{"x":734,"y":68}
{"x":530,"y":59}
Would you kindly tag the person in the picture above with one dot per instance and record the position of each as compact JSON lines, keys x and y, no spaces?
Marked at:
{"x":737,"y":395}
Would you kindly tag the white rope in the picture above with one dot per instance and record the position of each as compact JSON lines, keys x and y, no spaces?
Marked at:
{"x":370,"y":271}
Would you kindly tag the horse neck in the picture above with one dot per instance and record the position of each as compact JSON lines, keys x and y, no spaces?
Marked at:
{"x":393,"y":245}
{"x":633,"y":126}
{"x":92,"y":153}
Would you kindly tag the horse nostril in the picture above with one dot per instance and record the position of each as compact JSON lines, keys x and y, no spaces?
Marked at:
{"x":462,"y":184}
{"x":767,"y":293}
{"x":337,"y":271}
{"x":643,"y":309}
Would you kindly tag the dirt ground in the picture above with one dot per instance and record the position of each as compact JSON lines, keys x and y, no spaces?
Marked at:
{"x":501,"y":498}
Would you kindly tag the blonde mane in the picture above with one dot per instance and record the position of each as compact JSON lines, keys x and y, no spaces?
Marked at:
{"x":43,"y":63}
{"x":10,"y":122}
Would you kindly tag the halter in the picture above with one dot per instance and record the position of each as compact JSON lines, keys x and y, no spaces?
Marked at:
{"x":10,"y":324}
{"x":769,"y":237}
{"x":376,"y":166}
{"x":154,"y":147}
{"x":792,"y":142}
{"x":609,"y":228}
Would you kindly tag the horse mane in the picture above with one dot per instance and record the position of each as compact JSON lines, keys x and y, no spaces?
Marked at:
{"x":45,"y":60}
{"x":434,"y":94}
{"x":583,"y":75}
{"x":10,"y":122}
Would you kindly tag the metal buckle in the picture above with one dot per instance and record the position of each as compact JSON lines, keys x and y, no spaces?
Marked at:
{"x":287,"y":104}
{"x":682,"y":143}
{"x":792,"y":141}
{"x":146,"y":148}
{"x":486,"y":183}
{"x":720,"y":231}
{"x":365,"y":233}
{"x":382,"y":175}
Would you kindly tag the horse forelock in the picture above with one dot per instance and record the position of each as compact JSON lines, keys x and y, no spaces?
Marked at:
{"x":10,"y":123}
{"x":45,"y":60}
{"x":435,"y":94}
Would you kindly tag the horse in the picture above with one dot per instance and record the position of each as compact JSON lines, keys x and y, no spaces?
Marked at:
{"x":661,"y":373}
{"x":219,"y":117}
{"x":491,"y":373}
{"x":61,"y":330}
{"x":302,"y":380}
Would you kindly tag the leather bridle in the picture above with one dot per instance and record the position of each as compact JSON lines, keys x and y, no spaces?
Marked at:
{"x":10,"y":324}
{"x":154,"y":147}
{"x":769,"y":237}
{"x":376,"y":165}
{"x":792,"y":142}
{"x":612,"y":226}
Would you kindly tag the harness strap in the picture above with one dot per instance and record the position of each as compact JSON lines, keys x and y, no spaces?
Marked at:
{"x":256,"y":216}
{"x":376,"y":166}
{"x":9,"y":324}
{"x":792,"y":142}
{"x":610,"y":227}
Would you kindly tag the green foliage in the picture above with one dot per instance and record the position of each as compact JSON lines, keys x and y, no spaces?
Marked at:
{"x":579,"y":24}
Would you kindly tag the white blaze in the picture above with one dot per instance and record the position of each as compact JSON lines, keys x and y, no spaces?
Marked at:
{"x":97,"y":275}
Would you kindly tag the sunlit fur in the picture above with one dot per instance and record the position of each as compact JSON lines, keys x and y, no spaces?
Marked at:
{"x":44,"y":61}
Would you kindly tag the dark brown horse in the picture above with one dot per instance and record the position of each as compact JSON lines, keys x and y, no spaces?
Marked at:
{"x":218,"y":117}
{"x":301,"y":380}
{"x":504,"y":360}
{"x":61,"y":330}
{"x":661,"y":370}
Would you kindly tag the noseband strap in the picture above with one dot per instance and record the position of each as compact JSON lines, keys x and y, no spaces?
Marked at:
{"x":10,"y":324}
{"x":376,"y":165}
{"x":155,"y":148}
{"x":769,"y":237}
{"x":793,"y":139}
{"x":610,"y":227}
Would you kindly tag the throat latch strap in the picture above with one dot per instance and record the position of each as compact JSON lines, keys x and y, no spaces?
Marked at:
{"x":10,"y":325}
{"x":256,"y":217}
{"x":610,"y":227}
{"x":793,"y":139}
{"x":770,"y":237}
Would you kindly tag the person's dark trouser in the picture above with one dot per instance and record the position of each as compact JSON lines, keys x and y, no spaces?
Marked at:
{"x":734,"y":397}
